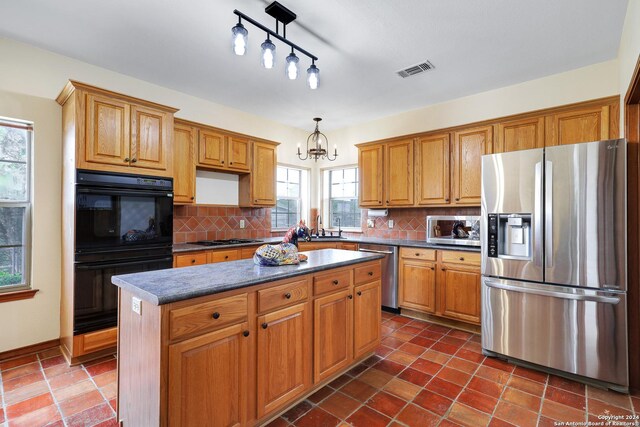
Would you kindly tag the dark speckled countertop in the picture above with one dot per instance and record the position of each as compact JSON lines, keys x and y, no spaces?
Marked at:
{"x":165,"y":286}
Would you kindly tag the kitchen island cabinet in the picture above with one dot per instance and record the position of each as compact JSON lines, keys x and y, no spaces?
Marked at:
{"x":235,"y":344}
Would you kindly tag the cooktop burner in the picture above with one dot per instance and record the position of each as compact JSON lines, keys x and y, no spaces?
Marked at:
{"x":224,"y":242}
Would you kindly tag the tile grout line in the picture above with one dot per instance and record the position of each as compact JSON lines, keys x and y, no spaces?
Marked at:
{"x":3,"y":402}
{"x":99,"y":391}
{"x":55,"y":400}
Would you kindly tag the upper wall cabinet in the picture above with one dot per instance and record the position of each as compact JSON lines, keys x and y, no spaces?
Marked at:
{"x":398,"y":171}
{"x":221,"y":150}
{"x":114,"y":132}
{"x":370,"y":162}
{"x":184,"y":163}
{"x":432,"y":169}
{"x":591,"y":123}
{"x":258,"y":188}
{"x":520,"y":134}
{"x":469,"y":145}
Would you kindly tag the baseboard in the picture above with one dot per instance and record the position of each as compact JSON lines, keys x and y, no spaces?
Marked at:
{"x":450,"y":323}
{"x":33,"y":348}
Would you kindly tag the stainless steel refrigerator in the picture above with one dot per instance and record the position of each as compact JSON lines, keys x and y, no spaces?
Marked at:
{"x":554,"y":256}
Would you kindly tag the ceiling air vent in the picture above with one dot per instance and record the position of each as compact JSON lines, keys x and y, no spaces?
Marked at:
{"x":416,"y":69}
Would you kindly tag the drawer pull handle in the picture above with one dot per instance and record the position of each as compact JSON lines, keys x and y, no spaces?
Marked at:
{"x":335,"y":282}
{"x":359,"y":293}
{"x":245,"y":333}
{"x":350,"y":296}
{"x":216,"y":315}
{"x":461,"y":258}
{"x":287,"y":295}
{"x":265,"y":325}
{"x":370,"y":273}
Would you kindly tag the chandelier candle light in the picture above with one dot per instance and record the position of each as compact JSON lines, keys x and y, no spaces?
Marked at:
{"x":317,"y":146}
{"x":282,"y":15}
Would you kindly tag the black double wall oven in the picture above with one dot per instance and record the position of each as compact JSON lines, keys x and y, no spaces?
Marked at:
{"x":123,"y":224}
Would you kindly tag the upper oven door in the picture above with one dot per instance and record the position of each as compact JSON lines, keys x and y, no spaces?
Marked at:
{"x":108,"y":218}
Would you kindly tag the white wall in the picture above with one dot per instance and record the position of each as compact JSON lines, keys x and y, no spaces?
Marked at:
{"x":629,"y":51}
{"x":595,"y":81}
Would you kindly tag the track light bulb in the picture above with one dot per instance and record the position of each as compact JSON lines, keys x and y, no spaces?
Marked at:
{"x":313,"y":76}
{"x":292,"y":66}
{"x":268,"y":54}
{"x":239,"y":39}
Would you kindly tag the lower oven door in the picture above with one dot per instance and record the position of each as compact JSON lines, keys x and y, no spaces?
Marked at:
{"x":96,"y":298}
{"x":579,"y":331}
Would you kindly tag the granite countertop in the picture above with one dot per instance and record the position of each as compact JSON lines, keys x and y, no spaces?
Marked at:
{"x":170,"y":285}
{"x":188,"y":247}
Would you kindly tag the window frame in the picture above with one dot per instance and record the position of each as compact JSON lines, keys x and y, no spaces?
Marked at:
{"x":23,"y":290}
{"x":302,"y":200}
{"x":326,"y":197}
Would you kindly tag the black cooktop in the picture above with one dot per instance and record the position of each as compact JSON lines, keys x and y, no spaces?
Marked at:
{"x":224,"y":242}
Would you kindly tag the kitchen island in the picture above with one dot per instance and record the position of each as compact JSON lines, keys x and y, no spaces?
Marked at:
{"x":235,"y":344}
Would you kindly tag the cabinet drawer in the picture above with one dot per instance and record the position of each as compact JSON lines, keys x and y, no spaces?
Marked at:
{"x":95,"y":341}
{"x":323,"y":283}
{"x":418,"y":253}
{"x":207,"y":316}
{"x":367,"y":273}
{"x":186,"y":260}
{"x":222,"y":256}
{"x":247,"y":253}
{"x":283,"y":295}
{"x":457,"y":257}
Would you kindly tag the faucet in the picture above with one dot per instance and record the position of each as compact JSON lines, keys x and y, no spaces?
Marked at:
{"x":339,"y":229}
{"x":318,"y":219}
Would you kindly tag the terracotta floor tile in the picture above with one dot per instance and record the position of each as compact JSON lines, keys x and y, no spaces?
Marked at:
{"x":383,"y":351}
{"x":402,"y":358}
{"x":67,"y":379}
{"x":60,"y":423}
{"x":372,"y":360}
{"x":415,"y":377}
{"x":386,"y":403}
{"x":114,"y":404}
{"x":556,"y":411}
{"x":392,"y":342}
{"x":52,"y":361}
{"x":20,"y":371}
{"x":109,"y":391}
{"x":415,"y":416}
{"x":445,"y":348}
{"x":470,"y":345}
{"x":408,"y":329}
{"x":18,"y":361}
{"x":340,"y":405}
{"x":402,"y":320}
{"x":26,"y":392}
{"x":367,"y":417}
{"x":597,"y":407}
{"x":22,"y":381}
{"x":426,"y":366}
{"x":467,"y":416}
{"x":375,"y":378}
{"x":611,"y":397}
{"x":402,"y":336}
{"x":432,"y":335}
{"x":454,"y":376}
{"x":448,"y":423}
{"x":99,"y":360}
{"x":2,"y":415}
{"x":456,"y":342}
{"x":478,"y":400}
{"x":80,"y":402}
{"x":317,"y":418}
{"x":547,"y":422}
{"x":101,"y":368}
{"x":61,"y":369}
{"x":52,"y":352}
{"x":320,"y":395}
{"x":520,"y":398}
{"x":491,"y":374}
{"x":565,"y":397}
{"x":530,"y":374}
{"x":497,"y":422}
{"x":357,"y":370}
{"x":33,"y":404}
{"x":444,"y":388}
{"x":476,"y":338}
{"x":391,"y":368}
{"x":111,"y":422}
{"x":635,"y":401}
{"x":433,"y":402}
{"x":470,"y":355}
{"x":462,"y":365}
{"x":485,"y":386}
{"x":35,"y":418}
{"x":84,"y":386}
{"x":515,"y":414}
{"x":422,"y":342}
{"x":358,"y":390}
{"x":278,"y":422}
{"x":402,"y":389}
{"x":566,"y":384}
{"x":106,"y":378}
{"x":463,"y":335}
{"x":297,"y":411}
{"x":436,"y":356}
{"x":412,"y":348}
{"x":422,"y":324}
{"x":441,"y":329}
{"x":524,"y":384}
{"x":91,"y":416}
{"x":340,"y":381}
{"x":498,"y":364}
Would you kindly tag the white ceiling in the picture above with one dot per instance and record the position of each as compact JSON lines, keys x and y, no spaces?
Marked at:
{"x":475,"y":45}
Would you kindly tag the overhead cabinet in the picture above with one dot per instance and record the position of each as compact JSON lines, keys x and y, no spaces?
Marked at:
{"x":223,"y":151}
{"x":432,"y":170}
{"x":371,"y":177}
{"x":469,"y":145}
{"x":184,"y":163}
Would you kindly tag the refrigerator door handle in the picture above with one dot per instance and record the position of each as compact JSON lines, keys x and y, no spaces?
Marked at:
{"x":537,"y":216}
{"x":543,"y":292}
{"x":548,"y":214}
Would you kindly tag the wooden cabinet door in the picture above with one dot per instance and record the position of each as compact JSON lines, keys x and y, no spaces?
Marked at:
{"x":469,"y":146}
{"x":371,"y":176}
{"x":211,"y":148}
{"x":332,"y":334}
{"x":208,"y":382}
{"x":460,"y":294}
{"x":582,"y":125}
{"x":398,"y":170}
{"x":522,"y":134}
{"x":239,"y":153}
{"x":264,"y":174}
{"x":108,"y":133}
{"x":150,"y":138}
{"x":284,"y":357}
{"x":432,"y":169}
{"x":366,"y":318}
{"x":184,"y":164}
{"x":417,"y":285}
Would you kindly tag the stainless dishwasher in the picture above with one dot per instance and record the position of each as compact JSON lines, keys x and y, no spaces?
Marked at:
{"x":389,"y":272}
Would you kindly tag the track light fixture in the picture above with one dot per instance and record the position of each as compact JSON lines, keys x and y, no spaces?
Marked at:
{"x":268,"y":55}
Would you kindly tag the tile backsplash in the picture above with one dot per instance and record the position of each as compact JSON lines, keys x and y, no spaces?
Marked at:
{"x":192,"y":223}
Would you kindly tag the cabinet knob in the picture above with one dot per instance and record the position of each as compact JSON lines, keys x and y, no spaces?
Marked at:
{"x":335,"y":282}
{"x":461,"y":258}
{"x":287,"y":295}
{"x":350,"y":296}
{"x":443,"y":269}
{"x":446,"y":200}
{"x":216,"y":315}
{"x":193,"y":198}
{"x":226,"y":257}
{"x":193,"y":261}
{"x":457,"y":199}
{"x":359,"y":293}
{"x":126,"y":160}
{"x":380,"y":201}
{"x":370,"y":273}
{"x":222,"y":162}
{"x":265,"y":325}
{"x":245,"y":333}
{"x":229,"y":163}
{"x":134,"y":160}
{"x":417,"y":253}
{"x":387,"y":201}
{"x":433,"y":268}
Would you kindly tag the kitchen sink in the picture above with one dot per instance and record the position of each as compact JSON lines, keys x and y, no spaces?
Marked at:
{"x":326,"y":237}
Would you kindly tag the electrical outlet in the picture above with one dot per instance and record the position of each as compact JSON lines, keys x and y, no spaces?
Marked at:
{"x":136,"y":305}
{"x":390,"y":223}
{"x":242,"y":223}
{"x":370,"y":223}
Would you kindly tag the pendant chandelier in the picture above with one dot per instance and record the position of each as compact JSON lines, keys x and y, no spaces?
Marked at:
{"x":282,"y":15}
{"x":318,"y":146}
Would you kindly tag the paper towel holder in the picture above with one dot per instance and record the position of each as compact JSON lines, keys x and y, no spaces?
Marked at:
{"x":378,"y":212}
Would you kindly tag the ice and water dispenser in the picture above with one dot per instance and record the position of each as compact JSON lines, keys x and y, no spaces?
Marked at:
{"x":510,"y":236}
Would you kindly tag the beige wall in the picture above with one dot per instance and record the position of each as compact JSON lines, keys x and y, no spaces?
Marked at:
{"x":629,"y":50}
{"x":596,"y":81}
{"x":35,"y":320}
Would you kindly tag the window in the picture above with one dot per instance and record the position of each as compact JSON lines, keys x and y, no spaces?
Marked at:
{"x":342,"y":194}
{"x":292,"y":197}
{"x":15,"y":204}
